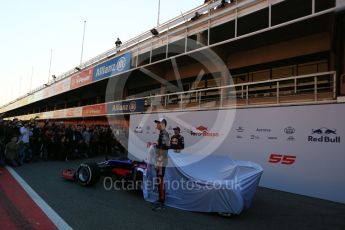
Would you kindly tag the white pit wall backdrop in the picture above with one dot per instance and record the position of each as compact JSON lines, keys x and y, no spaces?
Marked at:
{"x":301,"y":148}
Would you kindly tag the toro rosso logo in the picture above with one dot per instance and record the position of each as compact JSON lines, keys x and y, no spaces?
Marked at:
{"x":202,"y":128}
{"x":203,"y":131}
{"x":325,"y":135}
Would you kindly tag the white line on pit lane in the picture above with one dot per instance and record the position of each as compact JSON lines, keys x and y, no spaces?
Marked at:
{"x":52,"y":215}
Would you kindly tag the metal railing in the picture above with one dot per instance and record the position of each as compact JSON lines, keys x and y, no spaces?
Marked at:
{"x":297,"y":89}
{"x":310,"y":89}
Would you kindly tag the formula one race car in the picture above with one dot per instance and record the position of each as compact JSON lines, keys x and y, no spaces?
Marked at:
{"x":88,"y":174}
{"x":213,"y":184}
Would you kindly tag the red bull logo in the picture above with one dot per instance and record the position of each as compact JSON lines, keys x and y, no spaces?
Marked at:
{"x":324,"y":135}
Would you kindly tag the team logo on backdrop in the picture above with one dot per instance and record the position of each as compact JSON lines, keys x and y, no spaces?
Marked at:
{"x":289,"y":130}
{"x":324,"y":135}
{"x":204,"y":132}
{"x":240,"y":129}
{"x":254,"y":137}
{"x":138,"y":129}
{"x":261,"y":130}
{"x":290,"y":138}
{"x":121,"y":64}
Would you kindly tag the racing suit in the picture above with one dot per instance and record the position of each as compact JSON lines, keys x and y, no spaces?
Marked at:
{"x":161,"y":161}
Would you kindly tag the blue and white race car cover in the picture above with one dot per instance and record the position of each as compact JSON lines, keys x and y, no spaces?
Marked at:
{"x":213,"y":184}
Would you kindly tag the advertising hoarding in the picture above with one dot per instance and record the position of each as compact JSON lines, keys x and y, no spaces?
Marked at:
{"x":59,"y":113}
{"x":74,"y":112}
{"x":38,"y":95}
{"x":301,"y":148}
{"x":131,"y":106}
{"x":61,"y":86}
{"x":112,"y":67}
{"x":47,"y":115}
{"x":81,"y":79}
{"x":45,"y":92}
{"x":94,"y":110}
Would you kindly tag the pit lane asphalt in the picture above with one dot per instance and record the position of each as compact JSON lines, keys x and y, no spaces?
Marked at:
{"x":97,"y":208}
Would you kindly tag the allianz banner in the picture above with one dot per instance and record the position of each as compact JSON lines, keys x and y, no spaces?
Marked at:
{"x":301,"y":148}
{"x":132,"y":106}
{"x":112,"y":67}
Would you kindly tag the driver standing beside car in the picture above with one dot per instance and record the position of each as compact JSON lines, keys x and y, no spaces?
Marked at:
{"x":177,"y":140}
{"x":161,"y":160}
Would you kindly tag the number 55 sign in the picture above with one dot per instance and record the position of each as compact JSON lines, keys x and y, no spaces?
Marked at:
{"x":282,"y":159}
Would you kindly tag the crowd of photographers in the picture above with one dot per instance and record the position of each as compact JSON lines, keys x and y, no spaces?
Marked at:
{"x":22,"y":142}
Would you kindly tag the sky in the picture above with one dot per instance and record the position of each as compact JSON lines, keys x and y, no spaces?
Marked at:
{"x":30,"y":29}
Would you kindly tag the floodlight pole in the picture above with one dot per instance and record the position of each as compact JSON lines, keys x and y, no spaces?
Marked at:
{"x":159,"y":12}
{"x":32,"y":73}
{"x":50,"y":63}
{"x":82,"y":44}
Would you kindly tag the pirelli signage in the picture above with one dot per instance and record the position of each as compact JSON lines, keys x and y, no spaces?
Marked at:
{"x":94,"y":110}
{"x":81,"y":79}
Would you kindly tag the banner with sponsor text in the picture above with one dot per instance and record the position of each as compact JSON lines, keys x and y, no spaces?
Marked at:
{"x":112,"y":67}
{"x":301,"y":148}
{"x":132,"y":106}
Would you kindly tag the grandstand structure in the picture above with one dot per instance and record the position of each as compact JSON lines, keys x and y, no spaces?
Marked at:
{"x":277,"y":52}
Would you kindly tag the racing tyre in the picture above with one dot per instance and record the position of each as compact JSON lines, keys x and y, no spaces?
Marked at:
{"x":88,"y":174}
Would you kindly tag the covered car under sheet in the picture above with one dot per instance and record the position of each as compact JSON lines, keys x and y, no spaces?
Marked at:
{"x":214,"y":184}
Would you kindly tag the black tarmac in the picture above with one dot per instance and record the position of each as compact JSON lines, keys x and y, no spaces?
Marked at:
{"x":98,"y":208}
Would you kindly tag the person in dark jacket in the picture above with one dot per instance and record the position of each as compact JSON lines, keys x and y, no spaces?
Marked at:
{"x":177,"y":140}
{"x":35,"y":140}
{"x":11,"y":153}
{"x":62,"y":148}
{"x":161,"y":160}
{"x":108,"y":141}
{"x":70,"y":142}
{"x":94,"y":142}
{"x":11,"y":130}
